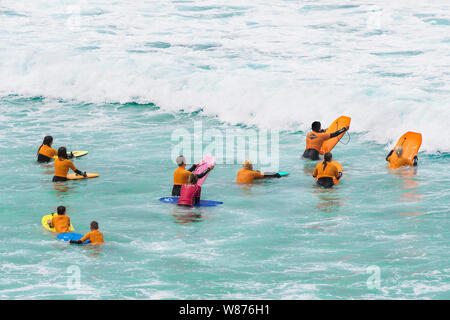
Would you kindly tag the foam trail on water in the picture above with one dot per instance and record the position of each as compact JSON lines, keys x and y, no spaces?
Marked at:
{"x":281,"y":65}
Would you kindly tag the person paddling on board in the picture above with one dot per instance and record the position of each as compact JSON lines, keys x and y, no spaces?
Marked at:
{"x":315,"y":139}
{"x":181,"y":175}
{"x":61,"y":222}
{"x":95,"y":236}
{"x":248,"y":175}
{"x":402,"y":162}
{"x":62,"y":165}
{"x":326,"y":171}
{"x":190,"y":192}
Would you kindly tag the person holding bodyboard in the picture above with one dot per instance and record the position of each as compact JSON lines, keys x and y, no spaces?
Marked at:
{"x":181,"y":175}
{"x":95,"y":236}
{"x":247,"y":175}
{"x":62,"y":165}
{"x":316,"y":138}
{"x":405,"y":151}
{"x":60,"y":222}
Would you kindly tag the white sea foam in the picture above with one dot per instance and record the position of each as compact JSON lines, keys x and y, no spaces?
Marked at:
{"x":281,"y":64}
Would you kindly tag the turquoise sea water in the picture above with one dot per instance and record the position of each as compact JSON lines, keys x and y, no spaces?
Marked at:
{"x":120,"y":87}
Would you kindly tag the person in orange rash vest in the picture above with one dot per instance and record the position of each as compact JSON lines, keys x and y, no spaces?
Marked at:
{"x":326,"y":172}
{"x":401,"y":162}
{"x":95,"y":236}
{"x":247,"y":175}
{"x":315,"y":139}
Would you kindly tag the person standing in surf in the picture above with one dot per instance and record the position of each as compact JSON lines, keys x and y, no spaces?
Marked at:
{"x":62,"y":165}
{"x":190,"y":192}
{"x":326,"y":172}
{"x":46,"y":152}
{"x":315,"y":139}
{"x":61,"y":222}
{"x":181,"y":175}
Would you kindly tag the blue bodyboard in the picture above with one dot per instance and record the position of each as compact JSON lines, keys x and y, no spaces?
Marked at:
{"x":71,"y":236}
{"x":203,"y":203}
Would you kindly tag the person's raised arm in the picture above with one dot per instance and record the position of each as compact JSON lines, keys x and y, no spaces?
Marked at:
{"x":336,"y":133}
{"x":201,"y":175}
{"x":191,"y":169}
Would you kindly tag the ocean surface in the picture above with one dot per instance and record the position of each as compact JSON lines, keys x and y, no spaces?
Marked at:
{"x":128,"y":80}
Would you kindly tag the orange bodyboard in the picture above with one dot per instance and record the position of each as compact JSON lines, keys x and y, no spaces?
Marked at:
{"x":410,"y":143}
{"x":337,"y":124}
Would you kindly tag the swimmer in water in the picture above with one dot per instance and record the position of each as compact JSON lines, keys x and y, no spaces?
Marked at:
{"x":326,"y":173}
{"x":61,"y":222}
{"x":62,"y":165}
{"x":401,"y":162}
{"x":46,"y":152}
{"x":190,"y":192}
{"x":247,"y":175}
{"x":95,"y":236}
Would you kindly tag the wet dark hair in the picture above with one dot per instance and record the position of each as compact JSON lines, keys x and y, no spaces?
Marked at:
{"x":326,"y":158}
{"x":47,"y":141}
{"x":94,"y":225}
{"x":316,"y":126}
{"x":61,"y":210}
{"x":62,"y":153}
{"x":192,"y":179}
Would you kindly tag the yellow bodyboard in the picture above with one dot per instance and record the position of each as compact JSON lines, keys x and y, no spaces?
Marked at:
{"x":49,"y":217}
{"x":76,"y":154}
{"x":74,"y":176}
{"x":337,"y":124}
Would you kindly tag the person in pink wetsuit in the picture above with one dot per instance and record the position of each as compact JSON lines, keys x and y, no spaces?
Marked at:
{"x":190,"y":192}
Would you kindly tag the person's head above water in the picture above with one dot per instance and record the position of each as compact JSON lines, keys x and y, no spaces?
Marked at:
{"x":61,"y":210}
{"x":316,"y":126}
{"x":399,"y":151}
{"x":327,"y":157}
{"x":247,"y":164}
{"x":192,"y":179}
{"x":62,"y":153}
{"x":48,"y":140}
{"x":181,"y":160}
{"x":94,"y":225}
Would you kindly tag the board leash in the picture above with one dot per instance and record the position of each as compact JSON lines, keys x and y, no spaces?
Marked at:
{"x":349,"y":138}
